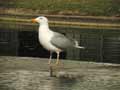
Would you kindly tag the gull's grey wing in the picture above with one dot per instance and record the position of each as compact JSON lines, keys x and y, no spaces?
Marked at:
{"x":61,"y":41}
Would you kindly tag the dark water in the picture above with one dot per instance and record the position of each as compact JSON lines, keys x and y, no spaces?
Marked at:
{"x":23,"y":73}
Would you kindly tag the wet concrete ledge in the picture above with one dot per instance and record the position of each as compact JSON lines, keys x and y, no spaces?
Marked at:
{"x":69,"y":68}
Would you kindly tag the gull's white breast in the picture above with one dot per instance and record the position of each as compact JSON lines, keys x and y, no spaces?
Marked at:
{"x":45,"y":37}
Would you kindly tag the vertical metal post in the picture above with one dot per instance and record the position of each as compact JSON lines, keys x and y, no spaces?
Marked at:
{"x":101,"y":46}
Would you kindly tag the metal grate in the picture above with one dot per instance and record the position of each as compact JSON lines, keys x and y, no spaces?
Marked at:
{"x":8,"y":42}
{"x":101,"y":45}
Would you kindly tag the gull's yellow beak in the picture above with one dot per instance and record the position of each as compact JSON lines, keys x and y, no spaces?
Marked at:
{"x":34,"y":20}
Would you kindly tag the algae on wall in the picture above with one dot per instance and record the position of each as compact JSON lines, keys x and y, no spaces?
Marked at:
{"x":72,"y":7}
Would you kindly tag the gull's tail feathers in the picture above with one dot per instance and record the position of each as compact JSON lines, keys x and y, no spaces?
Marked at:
{"x":77,"y":45}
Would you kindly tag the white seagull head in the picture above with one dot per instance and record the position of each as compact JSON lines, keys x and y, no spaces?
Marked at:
{"x":40,"y":20}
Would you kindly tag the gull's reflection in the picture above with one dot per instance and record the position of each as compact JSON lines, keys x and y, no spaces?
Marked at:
{"x":33,"y":80}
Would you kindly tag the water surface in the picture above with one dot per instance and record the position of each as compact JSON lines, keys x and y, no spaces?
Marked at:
{"x":23,"y":73}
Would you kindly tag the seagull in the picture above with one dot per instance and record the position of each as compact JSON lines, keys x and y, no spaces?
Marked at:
{"x":53,"y":41}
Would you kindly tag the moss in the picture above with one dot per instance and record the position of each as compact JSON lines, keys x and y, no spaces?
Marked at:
{"x":82,"y":7}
